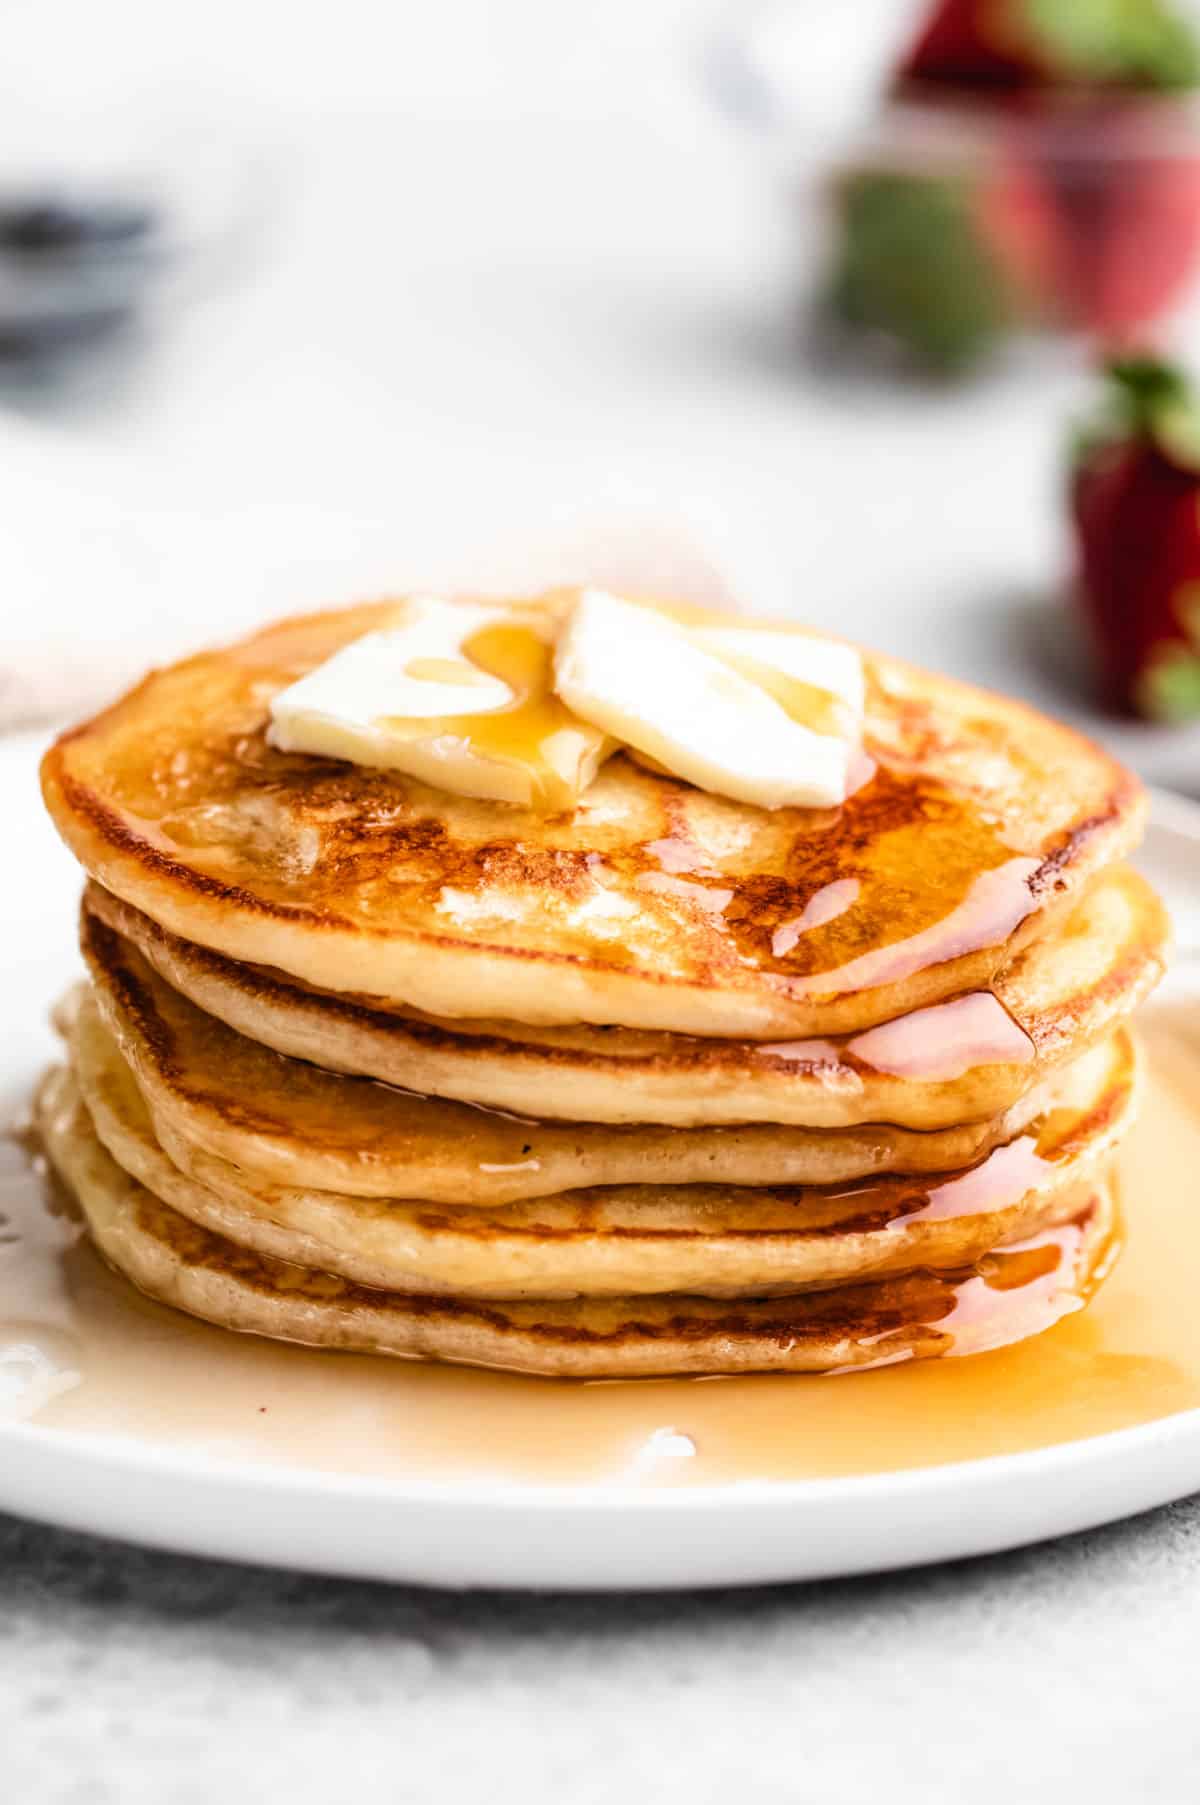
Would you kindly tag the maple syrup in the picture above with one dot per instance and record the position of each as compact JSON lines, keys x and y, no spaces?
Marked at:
{"x":79,"y":1350}
{"x":536,"y":734}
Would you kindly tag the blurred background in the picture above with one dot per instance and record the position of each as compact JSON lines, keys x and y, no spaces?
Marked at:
{"x":299,"y":304}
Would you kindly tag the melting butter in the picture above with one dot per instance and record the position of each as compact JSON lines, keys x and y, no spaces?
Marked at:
{"x":764,"y":716}
{"x":522,"y":704}
{"x":457,"y":695}
{"x":818,"y":683}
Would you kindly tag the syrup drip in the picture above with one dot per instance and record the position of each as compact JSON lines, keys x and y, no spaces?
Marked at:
{"x":712,"y":900}
{"x":80,"y":1351}
{"x":934,"y":1045}
{"x":1007,"y":1172}
{"x":995,"y":905}
{"x":945,"y":1041}
{"x":805,"y":703}
{"x":826,"y":905}
{"x":535,"y":732}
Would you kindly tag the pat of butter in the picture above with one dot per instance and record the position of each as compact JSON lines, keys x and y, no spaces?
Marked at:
{"x":819,"y":682}
{"x":416,"y":669}
{"x":764,"y":716}
{"x":480,"y":700}
{"x":456,"y":694}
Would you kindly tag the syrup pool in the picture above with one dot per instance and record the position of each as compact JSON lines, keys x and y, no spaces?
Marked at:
{"x":80,"y":1351}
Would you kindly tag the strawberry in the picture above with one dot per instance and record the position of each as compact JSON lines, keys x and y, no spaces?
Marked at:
{"x":966,"y":44}
{"x":1135,"y":504}
{"x":1123,"y":177}
{"x":944,"y":263}
{"x":1075,"y":87}
{"x":1057,"y":185}
{"x":1018,"y":44}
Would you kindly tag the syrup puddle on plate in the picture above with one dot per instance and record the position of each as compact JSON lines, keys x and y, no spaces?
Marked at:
{"x":81,"y":1351}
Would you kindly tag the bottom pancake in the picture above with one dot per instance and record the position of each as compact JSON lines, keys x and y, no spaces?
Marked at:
{"x":1003,"y":1297}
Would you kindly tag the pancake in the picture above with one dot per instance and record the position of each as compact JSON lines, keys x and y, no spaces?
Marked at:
{"x":962,"y":1061}
{"x":654,"y":905}
{"x":295,"y":1124}
{"x":708,"y":1240}
{"x":1006,"y":1296}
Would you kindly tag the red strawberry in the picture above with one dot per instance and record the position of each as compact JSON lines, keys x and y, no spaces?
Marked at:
{"x":1017,"y":217}
{"x":1125,"y":180}
{"x":1119,"y":169}
{"x":1017,"y":44}
{"x":962,"y":44}
{"x":1135,"y":501}
{"x":1051,"y":186}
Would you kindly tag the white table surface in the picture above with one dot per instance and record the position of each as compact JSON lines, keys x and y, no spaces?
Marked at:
{"x":512,"y":292}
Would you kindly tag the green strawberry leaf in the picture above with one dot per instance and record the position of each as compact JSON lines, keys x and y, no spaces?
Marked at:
{"x":1122,"y":43}
{"x":1145,"y":398}
{"x":1168,"y":690}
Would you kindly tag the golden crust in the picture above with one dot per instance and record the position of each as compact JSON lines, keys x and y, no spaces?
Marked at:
{"x":706,"y":1240}
{"x":1025,"y":1289}
{"x":654,"y":905}
{"x":293,"y":1124}
{"x":965,"y":1061}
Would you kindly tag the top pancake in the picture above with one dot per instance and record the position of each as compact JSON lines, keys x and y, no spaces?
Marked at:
{"x":654,"y":905}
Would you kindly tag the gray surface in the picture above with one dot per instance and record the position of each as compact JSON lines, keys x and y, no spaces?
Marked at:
{"x":1066,"y":1670}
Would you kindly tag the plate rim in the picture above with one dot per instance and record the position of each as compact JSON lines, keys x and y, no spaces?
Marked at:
{"x":627,"y":1497}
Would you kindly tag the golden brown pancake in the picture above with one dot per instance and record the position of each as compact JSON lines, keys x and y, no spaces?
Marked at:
{"x":654,"y":905}
{"x":708,"y":1240}
{"x":1005,"y":1296}
{"x":295,"y":1124}
{"x":965,"y":1060}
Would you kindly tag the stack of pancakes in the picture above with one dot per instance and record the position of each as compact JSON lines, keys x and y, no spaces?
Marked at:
{"x":670,"y":1084}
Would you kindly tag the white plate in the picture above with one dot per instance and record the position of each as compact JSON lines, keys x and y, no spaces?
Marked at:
{"x":475,"y":1531}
